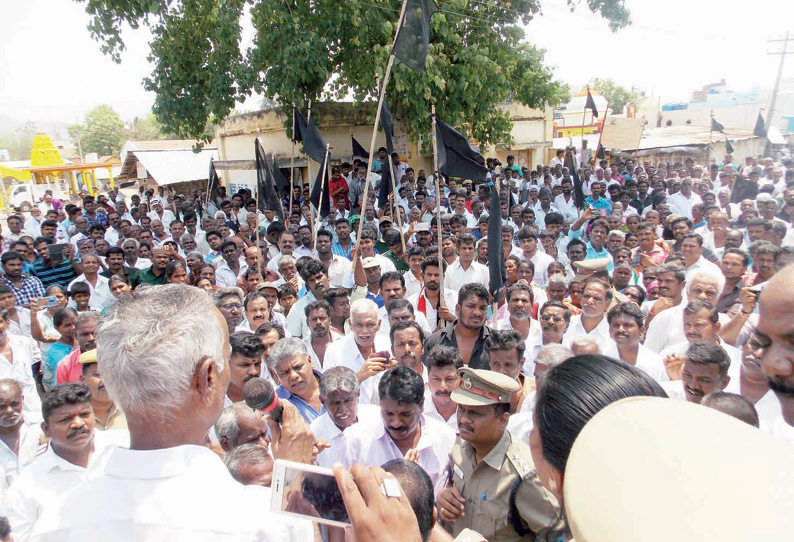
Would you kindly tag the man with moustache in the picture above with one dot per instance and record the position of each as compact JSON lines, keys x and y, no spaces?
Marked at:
{"x":488,"y":466}
{"x":519,"y":305}
{"x":245,"y":363}
{"x":704,"y":370}
{"x":596,"y":297}
{"x":554,"y":319}
{"x":239,"y":425}
{"x":61,"y":464}
{"x":402,"y":431}
{"x":69,"y":368}
{"x":772,"y":341}
{"x":291,"y":367}
{"x":19,"y":440}
{"x":428,"y":300}
{"x":407,"y":345}
{"x":318,"y":318}
{"x":339,"y":394}
{"x":106,"y":415}
{"x":442,"y":379}
{"x":626,"y":328}
{"x":392,"y":288}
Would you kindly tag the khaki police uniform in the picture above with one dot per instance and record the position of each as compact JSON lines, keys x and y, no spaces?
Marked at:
{"x":486,"y":486}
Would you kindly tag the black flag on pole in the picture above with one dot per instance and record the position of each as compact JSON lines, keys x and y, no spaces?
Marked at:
{"x":760,"y":126}
{"x":601,"y":153}
{"x":267,"y":195}
{"x":386,"y":185}
{"x":214,"y":184}
{"x":413,"y":37}
{"x":358,"y":150}
{"x":728,"y":146}
{"x":322,"y":200}
{"x":716,"y":126}
{"x":496,"y":253}
{"x":387,"y":122}
{"x":386,"y":182}
{"x":307,"y":132}
{"x":456,"y":158}
{"x":578,"y":193}
{"x":590,"y":104}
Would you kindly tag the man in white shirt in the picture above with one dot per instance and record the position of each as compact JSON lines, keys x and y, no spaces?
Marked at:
{"x":704,"y":370}
{"x":681,"y":202}
{"x":101,"y":298}
{"x":339,"y":393}
{"x":442,"y":364}
{"x":596,"y":297}
{"x":19,"y":439}
{"x":177,"y":370}
{"x":528,"y":238}
{"x":61,"y":465}
{"x":465,"y":270}
{"x":428,"y":300}
{"x":158,"y":213}
{"x":626,"y":327}
{"x":364,"y":350}
{"x":692,"y":251}
{"x":18,"y":354}
{"x":318,"y":318}
{"x":402,"y":430}
{"x":316,"y":280}
{"x":520,"y":298}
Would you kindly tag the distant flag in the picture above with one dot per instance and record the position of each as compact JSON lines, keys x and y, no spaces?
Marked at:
{"x":590,"y":104}
{"x":267,"y":195}
{"x":601,"y":153}
{"x":760,"y":127}
{"x":214,"y":184}
{"x":413,"y":37}
{"x":307,"y":132}
{"x":578,"y":193}
{"x":358,"y":150}
{"x":496,"y":253}
{"x":281,"y":181}
{"x":322,"y":200}
{"x":728,"y":146}
{"x":386,"y":185}
{"x":386,"y":182}
{"x":716,"y":126}
{"x":456,"y":158}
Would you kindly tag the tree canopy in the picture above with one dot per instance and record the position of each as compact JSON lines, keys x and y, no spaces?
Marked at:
{"x":331,"y":50}
{"x":616,"y":95}
{"x":103,"y":131}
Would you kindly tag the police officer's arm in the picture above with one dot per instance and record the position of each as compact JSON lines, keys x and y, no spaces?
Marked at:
{"x":536,"y":505}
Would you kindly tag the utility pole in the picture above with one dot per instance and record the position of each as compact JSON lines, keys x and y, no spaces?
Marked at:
{"x":782,"y":52}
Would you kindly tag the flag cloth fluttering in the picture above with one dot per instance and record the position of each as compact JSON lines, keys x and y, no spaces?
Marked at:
{"x":386,"y":182}
{"x":358,"y":150}
{"x":578,"y":193}
{"x":760,"y":127}
{"x":321,"y":191}
{"x":307,"y":132}
{"x":215,"y":183}
{"x":267,"y":194}
{"x":590,"y":104}
{"x":456,"y":158}
{"x":716,"y":126}
{"x":728,"y":146}
{"x":413,"y":38}
{"x":496,"y":253}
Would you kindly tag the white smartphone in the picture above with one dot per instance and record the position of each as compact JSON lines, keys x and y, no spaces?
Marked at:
{"x":307,"y":492}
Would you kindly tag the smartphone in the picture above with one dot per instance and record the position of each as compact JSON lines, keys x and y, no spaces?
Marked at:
{"x":49,"y":301}
{"x":56,"y":252}
{"x":307,"y":492}
{"x":383,"y":354}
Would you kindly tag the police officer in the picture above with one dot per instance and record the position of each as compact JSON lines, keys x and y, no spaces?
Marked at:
{"x":493,"y":487}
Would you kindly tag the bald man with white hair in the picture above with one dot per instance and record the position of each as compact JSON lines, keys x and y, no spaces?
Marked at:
{"x":365,"y":351}
{"x":164,"y":355}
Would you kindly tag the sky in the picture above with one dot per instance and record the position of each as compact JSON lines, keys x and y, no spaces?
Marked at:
{"x":53,"y":71}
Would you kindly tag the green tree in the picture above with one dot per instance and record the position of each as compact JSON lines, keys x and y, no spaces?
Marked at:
{"x":329,"y":50}
{"x":20,"y":142}
{"x":616,"y":95}
{"x":146,"y":128}
{"x":103,"y":131}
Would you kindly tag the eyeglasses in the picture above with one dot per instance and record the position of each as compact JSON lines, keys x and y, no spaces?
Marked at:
{"x":550,"y":318}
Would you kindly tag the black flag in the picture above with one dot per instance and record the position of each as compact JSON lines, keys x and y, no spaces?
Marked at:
{"x":590,"y":104}
{"x":215,"y":183}
{"x":322,"y":200}
{"x":728,"y":146}
{"x":578,"y":193}
{"x":358,"y":150}
{"x":601,"y":153}
{"x":413,"y":37}
{"x":387,"y":122}
{"x":760,"y":127}
{"x":267,"y":196}
{"x":386,"y":185}
{"x":496,"y":253}
{"x":307,"y":132}
{"x":716,"y":126}
{"x":456,"y":158}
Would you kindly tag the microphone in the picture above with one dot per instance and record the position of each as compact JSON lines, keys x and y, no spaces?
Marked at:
{"x":260,"y":395}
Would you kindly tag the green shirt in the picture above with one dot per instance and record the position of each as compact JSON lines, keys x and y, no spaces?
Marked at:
{"x":146,"y":276}
{"x":399,"y":263}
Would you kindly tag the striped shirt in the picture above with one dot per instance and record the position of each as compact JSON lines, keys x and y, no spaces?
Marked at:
{"x":61,"y":273}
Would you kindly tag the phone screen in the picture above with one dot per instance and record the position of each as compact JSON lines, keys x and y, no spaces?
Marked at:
{"x":56,"y":252}
{"x":312,"y":495}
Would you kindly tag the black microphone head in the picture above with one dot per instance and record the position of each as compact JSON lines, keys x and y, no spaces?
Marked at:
{"x":258,"y":393}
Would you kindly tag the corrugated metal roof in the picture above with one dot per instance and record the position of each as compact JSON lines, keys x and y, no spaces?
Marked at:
{"x":174,"y":166}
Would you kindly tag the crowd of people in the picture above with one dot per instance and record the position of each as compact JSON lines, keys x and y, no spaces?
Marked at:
{"x":131,"y":324}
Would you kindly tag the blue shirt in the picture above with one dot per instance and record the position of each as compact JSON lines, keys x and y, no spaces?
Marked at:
{"x":339,"y":250}
{"x":305,"y":409}
{"x":600,"y":203}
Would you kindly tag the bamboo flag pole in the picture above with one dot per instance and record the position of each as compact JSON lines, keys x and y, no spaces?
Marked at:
{"x":309,"y":168}
{"x":494,"y":301}
{"x":437,"y":176}
{"x":322,"y":189}
{"x":377,"y":122}
{"x":256,"y":197}
{"x":291,"y":167}
{"x":711,"y":137}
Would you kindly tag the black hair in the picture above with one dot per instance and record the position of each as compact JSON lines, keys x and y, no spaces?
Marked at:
{"x":505,"y":340}
{"x":10,"y":256}
{"x":734,"y":405}
{"x":627,"y":308}
{"x":403,"y":385}
{"x":285,"y":290}
{"x":72,"y":393}
{"x":559,"y":305}
{"x":320,"y":304}
{"x":267,"y":327}
{"x":172,"y":266}
{"x":473,"y":289}
{"x":392,"y":275}
{"x":79,"y":288}
{"x":708,"y":353}
{"x":312,"y":267}
{"x":418,"y":488}
{"x":443,"y":356}
{"x":401,"y":326}
{"x":697,"y":305}
{"x":246,"y":344}
{"x":256,"y":294}
{"x":432,"y":261}
{"x":392,"y":238}
{"x":325,"y":233}
{"x":573,"y":392}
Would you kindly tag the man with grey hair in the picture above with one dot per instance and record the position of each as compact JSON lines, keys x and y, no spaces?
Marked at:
{"x":251,"y":465}
{"x":163,"y":355}
{"x":339,"y":394}
{"x":291,"y":367}
{"x":584,"y":344}
{"x":239,"y":425}
{"x":229,"y":301}
{"x":365,"y":351}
